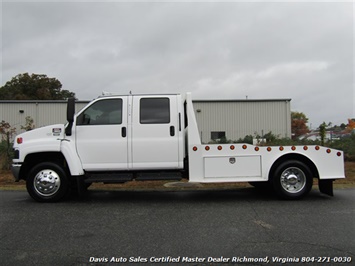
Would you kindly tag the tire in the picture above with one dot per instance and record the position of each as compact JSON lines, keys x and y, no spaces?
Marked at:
{"x":47,"y":182}
{"x":292,"y":180}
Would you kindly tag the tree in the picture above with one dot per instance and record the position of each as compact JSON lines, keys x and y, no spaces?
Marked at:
{"x":351,"y":125}
{"x":298,"y":124}
{"x":34,"y":87}
{"x":6,"y":132}
{"x":323,"y":131}
{"x":29,"y":124}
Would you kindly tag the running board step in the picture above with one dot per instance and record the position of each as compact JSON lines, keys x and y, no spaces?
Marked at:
{"x":109,"y":177}
{"x":145,"y":176}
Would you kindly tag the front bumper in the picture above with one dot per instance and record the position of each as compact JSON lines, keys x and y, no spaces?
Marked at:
{"x":15,"y":169}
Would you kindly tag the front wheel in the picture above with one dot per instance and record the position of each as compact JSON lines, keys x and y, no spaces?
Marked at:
{"x":47,"y":182}
{"x":292,"y":180}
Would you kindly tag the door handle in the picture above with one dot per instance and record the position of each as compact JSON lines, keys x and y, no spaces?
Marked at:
{"x":172,"y":131}
{"x":124,"y":132}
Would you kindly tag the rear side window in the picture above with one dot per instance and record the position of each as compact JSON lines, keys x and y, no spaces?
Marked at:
{"x":104,"y":112}
{"x":154,"y":111}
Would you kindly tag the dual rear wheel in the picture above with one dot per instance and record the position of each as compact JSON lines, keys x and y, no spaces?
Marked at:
{"x":290,"y":180}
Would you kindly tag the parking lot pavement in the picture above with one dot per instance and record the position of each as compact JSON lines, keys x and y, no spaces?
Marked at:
{"x":157,"y":227}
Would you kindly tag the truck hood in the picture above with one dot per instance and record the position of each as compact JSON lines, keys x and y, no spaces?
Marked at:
{"x":43,"y":133}
{"x":44,"y":139}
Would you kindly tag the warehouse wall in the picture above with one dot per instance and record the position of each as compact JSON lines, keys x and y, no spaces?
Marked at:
{"x":237,"y":118}
{"x":243,"y":117}
{"x":44,"y":113}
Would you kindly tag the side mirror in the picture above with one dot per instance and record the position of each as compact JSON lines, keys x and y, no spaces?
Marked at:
{"x":70,"y":116}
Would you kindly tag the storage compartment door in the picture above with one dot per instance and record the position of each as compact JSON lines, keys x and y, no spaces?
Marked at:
{"x":232,"y":166}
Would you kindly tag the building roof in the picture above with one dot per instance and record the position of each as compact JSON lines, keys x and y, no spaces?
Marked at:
{"x":197,"y":101}
{"x":243,"y":100}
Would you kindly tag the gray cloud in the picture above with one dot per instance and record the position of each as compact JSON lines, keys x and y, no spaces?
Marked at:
{"x":302,"y":51}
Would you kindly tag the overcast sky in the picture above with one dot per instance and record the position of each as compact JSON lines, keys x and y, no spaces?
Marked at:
{"x":230,"y":50}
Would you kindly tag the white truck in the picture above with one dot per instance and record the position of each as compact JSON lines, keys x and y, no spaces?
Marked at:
{"x":116,"y":139}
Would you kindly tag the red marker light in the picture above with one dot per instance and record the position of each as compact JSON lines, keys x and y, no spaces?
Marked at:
{"x":19,"y":140}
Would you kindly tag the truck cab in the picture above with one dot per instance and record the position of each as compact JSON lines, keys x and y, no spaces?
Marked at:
{"x":119,"y":138}
{"x":134,"y":132}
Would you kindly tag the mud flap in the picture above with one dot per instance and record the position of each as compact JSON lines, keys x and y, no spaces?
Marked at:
{"x":81,"y":185}
{"x":326,"y":186}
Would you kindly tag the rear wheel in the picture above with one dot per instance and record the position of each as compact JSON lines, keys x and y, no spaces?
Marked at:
{"x":47,"y":182}
{"x":292,"y":180}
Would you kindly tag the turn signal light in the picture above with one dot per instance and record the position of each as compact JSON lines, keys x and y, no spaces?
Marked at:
{"x":19,"y":140}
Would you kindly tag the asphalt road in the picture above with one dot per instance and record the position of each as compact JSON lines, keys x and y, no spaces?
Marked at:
{"x":177,"y":228}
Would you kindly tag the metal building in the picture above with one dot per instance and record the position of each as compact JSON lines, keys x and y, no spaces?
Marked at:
{"x":235,"y":119}
{"x":43,"y":113}
{"x":232,"y":119}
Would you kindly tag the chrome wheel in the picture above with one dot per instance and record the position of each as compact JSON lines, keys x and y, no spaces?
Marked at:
{"x":46,"y":182}
{"x":293,"y":180}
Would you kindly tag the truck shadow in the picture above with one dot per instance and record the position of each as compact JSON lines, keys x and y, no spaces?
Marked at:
{"x":202,"y":196}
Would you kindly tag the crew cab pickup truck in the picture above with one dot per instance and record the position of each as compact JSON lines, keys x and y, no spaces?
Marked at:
{"x":116,"y":139}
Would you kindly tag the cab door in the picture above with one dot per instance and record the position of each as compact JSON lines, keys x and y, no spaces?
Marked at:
{"x":101,"y":135}
{"x":155,"y":132}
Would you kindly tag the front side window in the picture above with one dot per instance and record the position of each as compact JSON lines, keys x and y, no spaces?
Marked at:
{"x":154,"y":111}
{"x":103,"y":112}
